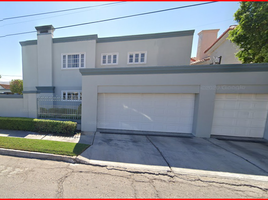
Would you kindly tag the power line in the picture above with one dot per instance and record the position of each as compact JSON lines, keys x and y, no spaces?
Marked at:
{"x":10,"y":75}
{"x":54,"y":16}
{"x":116,"y":18}
{"x":135,"y":15}
{"x":57,"y":11}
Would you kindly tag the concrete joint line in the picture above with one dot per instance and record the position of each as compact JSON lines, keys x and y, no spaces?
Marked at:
{"x":238,"y":156}
{"x":94,"y":137}
{"x":160,"y":153}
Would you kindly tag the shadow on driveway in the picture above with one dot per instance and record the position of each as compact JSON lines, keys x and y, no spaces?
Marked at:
{"x":165,"y":153}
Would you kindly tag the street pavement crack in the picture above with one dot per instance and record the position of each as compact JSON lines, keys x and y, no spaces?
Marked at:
{"x":155,"y":190}
{"x":60,"y":189}
{"x":223,"y":183}
{"x":133,"y":186}
{"x":238,"y":156}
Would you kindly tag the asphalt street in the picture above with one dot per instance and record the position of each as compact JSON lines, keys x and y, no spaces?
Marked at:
{"x":33,"y":178}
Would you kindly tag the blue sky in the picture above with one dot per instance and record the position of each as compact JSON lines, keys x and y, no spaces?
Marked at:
{"x":217,"y":15}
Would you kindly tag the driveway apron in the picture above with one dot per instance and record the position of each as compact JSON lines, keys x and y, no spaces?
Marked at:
{"x":205,"y":154}
{"x":122,"y":150}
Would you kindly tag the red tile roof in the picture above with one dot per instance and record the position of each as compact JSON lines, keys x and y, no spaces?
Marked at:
{"x":5,"y":86}
{"x":230,"y":28}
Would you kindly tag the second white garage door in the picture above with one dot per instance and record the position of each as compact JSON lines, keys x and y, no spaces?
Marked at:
{"x":146,"y":112}
{"x":242,"y":115}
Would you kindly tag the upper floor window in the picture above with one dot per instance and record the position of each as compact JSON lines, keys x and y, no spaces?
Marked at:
{"x":137,"y":57}
{"x":71,"y":95}
{"x":72,"y":61}
{"x":109,"y":59}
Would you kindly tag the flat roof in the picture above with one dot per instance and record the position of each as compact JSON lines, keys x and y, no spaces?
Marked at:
{"x":115,"y":39}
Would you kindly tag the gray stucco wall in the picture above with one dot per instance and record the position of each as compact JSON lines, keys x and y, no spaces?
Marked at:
{"x":171,"y":51}
{"x":203,"y":84}
{"x":29,"y":66}
{"x":12,"y":106}
{"x":71,"y":79}
{"x":42,"y":58}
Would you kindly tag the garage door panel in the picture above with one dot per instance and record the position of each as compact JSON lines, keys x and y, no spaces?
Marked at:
{"x":245,"y":105}
{"x":262,"y":97}
{"x":259,"y":114}
{"x":146,"y":112}
{"x":261,"y":105}
{"x":240,"y":115}
{"x":257,"y":123}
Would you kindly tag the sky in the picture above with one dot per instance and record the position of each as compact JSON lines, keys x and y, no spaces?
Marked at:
{"x":219,"y":15}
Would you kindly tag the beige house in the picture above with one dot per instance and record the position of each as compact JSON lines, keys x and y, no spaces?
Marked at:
{"x":213,"y":50}
{"x":5,"y":89}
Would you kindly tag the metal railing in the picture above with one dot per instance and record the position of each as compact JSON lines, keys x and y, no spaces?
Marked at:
{"x":56,"y":108}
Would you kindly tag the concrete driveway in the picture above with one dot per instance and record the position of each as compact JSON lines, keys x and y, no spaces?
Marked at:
{"x":179,"y":155}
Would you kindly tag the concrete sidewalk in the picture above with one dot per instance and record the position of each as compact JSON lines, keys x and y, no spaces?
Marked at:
{"x":77,"y":138}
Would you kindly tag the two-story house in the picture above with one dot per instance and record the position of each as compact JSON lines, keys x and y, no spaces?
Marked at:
{"x":51,"y":68}
{"x":51,"y":65}
{"x":143,"y":83}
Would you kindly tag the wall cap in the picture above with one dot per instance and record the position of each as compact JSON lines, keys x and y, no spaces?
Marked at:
{"x":14,"y":96}
{"x":177,"y":69}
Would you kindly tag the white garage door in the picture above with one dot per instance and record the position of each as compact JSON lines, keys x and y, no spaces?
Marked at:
{"x":240,"y":115}
{"x":146,"y":112}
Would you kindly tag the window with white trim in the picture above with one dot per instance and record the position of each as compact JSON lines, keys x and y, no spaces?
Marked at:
{"x":137,"y":57}
{"x":71,"y":95}
{"x":73,"y":61}
{"x":109,"y":59}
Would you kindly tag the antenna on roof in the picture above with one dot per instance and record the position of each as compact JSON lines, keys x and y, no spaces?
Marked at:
{"x":216,"y":60}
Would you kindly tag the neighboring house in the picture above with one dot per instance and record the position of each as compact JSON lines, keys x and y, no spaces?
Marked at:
{"x":5,"y":89}
{"x":142,"y":83}
{"x":213,"y":50}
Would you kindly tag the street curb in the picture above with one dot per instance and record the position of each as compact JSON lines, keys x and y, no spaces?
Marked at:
{"x":37,"y":155}
{"x":130,"y":167}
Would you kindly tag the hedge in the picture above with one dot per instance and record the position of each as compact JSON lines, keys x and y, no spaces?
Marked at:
{"x":38,"y":125}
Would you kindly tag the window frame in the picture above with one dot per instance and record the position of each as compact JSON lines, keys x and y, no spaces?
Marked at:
{"x":137,"y":52}
{"x":111,"y":54}
{"x":66,"y":54}
{"x":66,"y":91}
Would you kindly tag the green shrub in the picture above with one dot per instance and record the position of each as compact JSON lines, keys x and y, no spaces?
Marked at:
{"x":16,"y":86}
{"x":38,"y":125}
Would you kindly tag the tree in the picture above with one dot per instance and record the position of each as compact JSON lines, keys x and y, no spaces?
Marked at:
{"x":251,"y":34}
{"x":16,"y":86}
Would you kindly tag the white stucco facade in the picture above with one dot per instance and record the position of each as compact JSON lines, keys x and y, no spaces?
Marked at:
{"x":42,"y":59}
{"x":226,"y":49}
{"x":213,"y":50}
{"x":145,"y":83}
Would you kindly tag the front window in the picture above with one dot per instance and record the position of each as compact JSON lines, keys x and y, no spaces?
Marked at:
{"x":137,"y":58}
{"x":109,"y":59}
{"x":73,"y":61}
{"x":71,"y":96}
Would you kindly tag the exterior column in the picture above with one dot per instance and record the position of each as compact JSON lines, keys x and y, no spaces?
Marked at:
{"x":265,"y":136}
{"x":204,"y":110}
{"x":89,"y":106}
{"x":44,"y":55}
{"x":30,"y":104}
